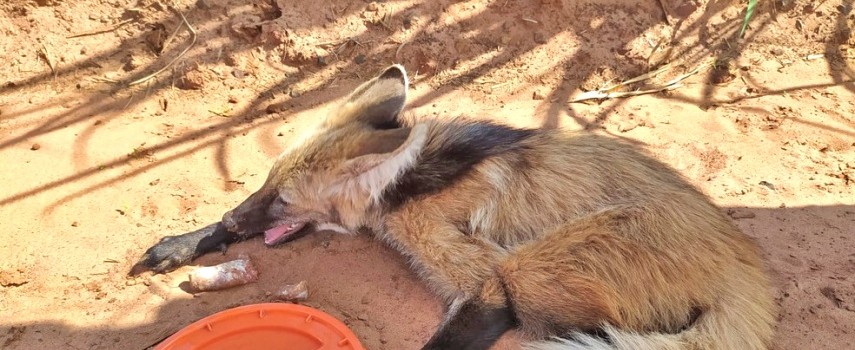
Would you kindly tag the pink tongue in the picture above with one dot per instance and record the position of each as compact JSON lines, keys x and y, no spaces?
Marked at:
{"x":274,"y":234}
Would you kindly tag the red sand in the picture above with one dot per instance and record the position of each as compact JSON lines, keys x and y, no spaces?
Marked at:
{"x":94,"y":172}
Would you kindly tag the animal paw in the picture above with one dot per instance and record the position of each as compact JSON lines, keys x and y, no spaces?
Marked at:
{"x":173,"y":252}
{"x":168,"y":254}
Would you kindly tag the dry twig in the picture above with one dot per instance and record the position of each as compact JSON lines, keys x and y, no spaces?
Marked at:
{"x":46,"y":54}
{"x":180,"y":55}
{"x":398,"y":51}
{"x":223,"y":114}
{"x":170,"y":38}
{"x":610,"y":93}
{"x":130,"y":99}
{"x":104,"y":80}
{"x":814,"y":56}
{"x":101,"y":31}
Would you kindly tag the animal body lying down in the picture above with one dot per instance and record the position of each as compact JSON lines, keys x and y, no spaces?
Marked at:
{"x":577,"y":240}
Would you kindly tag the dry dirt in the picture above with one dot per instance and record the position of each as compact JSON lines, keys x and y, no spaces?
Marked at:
{"x":95,"y":170}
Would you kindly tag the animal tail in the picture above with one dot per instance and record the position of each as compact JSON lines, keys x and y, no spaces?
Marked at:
{"x":742,"y":321}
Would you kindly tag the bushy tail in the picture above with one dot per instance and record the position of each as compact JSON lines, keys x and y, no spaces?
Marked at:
{"x":619,"y":340}
{"x":740,"y":322}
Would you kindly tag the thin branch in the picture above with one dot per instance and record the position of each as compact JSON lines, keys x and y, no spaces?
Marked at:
{"x":609,"y":93}
{"x":101,"y":31}
{"x":398,"y":51}
{"x":192,"y":42}
{"x":48,"y":60}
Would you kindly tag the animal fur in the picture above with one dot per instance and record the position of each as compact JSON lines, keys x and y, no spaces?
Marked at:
{"x":579,"y":241}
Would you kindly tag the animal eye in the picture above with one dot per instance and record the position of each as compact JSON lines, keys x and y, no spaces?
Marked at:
{"x":277,"y":206}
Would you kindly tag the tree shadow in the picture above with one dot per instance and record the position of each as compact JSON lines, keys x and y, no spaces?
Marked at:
{"x":97,"y":104}
{"x":724,"y":44}
{"x":506,"y":33}
{"x":487,"y":29}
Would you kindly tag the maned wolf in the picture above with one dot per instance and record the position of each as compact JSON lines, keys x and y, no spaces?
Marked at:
{"x":577,"y":240}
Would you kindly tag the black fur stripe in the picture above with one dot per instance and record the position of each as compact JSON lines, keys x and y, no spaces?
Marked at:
{"x":451,"y":153}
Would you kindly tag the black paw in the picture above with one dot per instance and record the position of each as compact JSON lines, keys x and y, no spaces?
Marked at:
{"x":169,"y":254}
{"x":173,"y":252}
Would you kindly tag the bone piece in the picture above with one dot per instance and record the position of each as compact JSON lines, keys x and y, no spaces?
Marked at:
{"x":226,"y":275}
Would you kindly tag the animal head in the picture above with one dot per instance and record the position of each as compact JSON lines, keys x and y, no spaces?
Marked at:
{"x":336,"y":177}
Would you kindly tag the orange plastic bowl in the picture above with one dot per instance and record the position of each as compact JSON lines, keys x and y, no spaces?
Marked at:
{"x":265,"y":326}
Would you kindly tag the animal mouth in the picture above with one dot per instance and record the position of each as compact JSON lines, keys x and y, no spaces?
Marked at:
{"x":282,"y":232}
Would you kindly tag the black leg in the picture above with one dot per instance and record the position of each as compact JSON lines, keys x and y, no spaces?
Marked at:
{"x":471,"y":325}
{"x":174,"y":251}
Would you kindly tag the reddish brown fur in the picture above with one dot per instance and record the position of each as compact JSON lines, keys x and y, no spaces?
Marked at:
{"x":575,"y":230}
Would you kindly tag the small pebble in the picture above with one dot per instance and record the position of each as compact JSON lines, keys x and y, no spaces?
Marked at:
{"x":539,"y":38}
{"x":359,"y":59}
{"x":323,"y":60}
{"x":293,"y":292}
{"x":75,"y":224}
{"x":739,"y":214}
{"x":35,"y":147}
{"x":275,"y":108}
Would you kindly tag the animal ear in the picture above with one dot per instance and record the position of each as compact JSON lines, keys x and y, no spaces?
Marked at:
{"x":385,"y":155}
{"x":377,"y":102}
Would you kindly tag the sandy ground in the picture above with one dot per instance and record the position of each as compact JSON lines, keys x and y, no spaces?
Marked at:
{"x":94,"y":171}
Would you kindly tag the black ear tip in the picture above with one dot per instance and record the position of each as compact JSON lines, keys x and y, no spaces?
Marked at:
{"x":396,"y":71}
